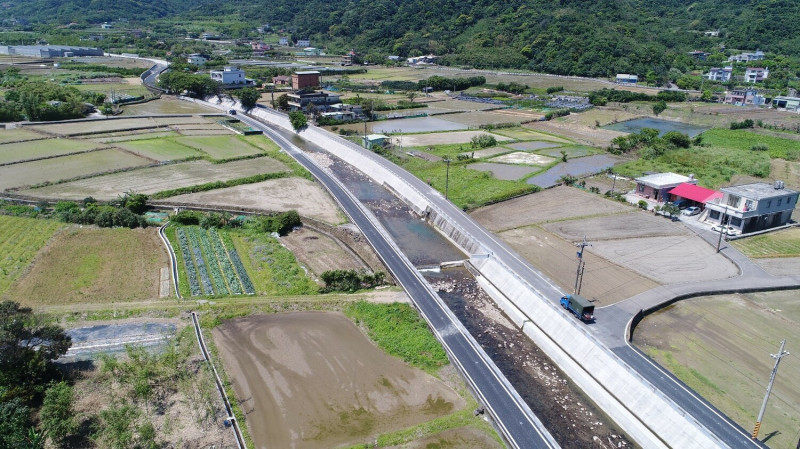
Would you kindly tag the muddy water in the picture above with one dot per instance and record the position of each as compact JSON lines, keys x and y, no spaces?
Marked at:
{"x":573,"y":421}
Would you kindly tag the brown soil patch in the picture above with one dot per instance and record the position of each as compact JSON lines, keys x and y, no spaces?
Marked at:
{"x":85,"y":265}
{"x":313,"y":380}
{"x":318,"y":252}
{"x":521,"y":157}
{"x":603,"y":281}
{"x":275,"y":195}
{"x":552,"y":204}
{"x":720,"y":346}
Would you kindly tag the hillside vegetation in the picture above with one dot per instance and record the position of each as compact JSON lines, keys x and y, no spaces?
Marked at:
{"x":571,"y":37}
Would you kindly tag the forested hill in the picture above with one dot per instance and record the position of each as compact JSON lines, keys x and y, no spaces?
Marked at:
{"x":586,"y":37}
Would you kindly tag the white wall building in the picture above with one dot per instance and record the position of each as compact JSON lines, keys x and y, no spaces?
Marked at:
{"x":230,"y":76}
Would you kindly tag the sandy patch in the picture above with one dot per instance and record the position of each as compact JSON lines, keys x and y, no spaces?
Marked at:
{"x":418,"y":140}
{"x":553,"y":204}
{"x":668,"y":260}
{"x":521,"y":157}
{"x":274,"y":195}
{"x":313,"y":380}
{"x":488,"y":152}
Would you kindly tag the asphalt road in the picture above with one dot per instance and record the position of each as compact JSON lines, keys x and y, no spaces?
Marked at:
{"x":512,"y":416}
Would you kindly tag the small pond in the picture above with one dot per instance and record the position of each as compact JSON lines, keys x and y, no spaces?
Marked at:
{"x":636,"y":125}
{"x":576,"y":167}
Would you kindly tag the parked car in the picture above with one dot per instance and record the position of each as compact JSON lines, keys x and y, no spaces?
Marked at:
{"x":726,"y":229}
{"x":681,"y":203}
{"x":232,"y":111}
{"x":694,"y":210}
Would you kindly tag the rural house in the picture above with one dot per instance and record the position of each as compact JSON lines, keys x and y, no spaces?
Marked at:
{"x":718,"y":74}
{"x":747,"y":57}
{"x":657,"y":186}
{"x":786,"y":103}
{"x":231,"y":76}
{"x":753,"y":207}
{"x":755,"y":74}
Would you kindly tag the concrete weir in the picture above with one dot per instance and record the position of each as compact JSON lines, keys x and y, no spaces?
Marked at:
{"x":636,"y":405}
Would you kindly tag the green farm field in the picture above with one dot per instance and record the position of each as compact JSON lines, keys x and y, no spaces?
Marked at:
{"x":18,"y":134}
{"x":725,"y":155}
{"x":220,"y":147}
{"x":272,"y":268}
{"x":160,"y":149}
{"x":721,"y":345}
{"x":784,"y":243}
{"x":96,"y":126}
{"x":150,"y":180}
{"x":94,"y":265}
{"x":20,"y":240}
{"x":67,"y":167}
{"x":520,"y":133}
{"x":21,"y":151}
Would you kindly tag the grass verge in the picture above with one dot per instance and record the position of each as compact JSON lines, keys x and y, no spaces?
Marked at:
{"x":20,"y":240}
{"x":784,"y":243}
{"x":399,"y":330}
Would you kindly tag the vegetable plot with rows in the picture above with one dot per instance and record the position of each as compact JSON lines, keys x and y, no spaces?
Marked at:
{"x":211,"y":263}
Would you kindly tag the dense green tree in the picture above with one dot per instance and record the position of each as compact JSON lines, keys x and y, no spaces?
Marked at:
{"x":299,"y":120}
{"x":659,"y":107}
{"x":28,"y":345}
{"x":248,"y":97}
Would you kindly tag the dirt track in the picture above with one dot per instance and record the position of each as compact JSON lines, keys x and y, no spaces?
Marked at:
{"x":313,"y":380}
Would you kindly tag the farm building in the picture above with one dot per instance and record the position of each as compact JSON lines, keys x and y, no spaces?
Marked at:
{"x":658,"y":186}
{"x":753,"y":207}
{"x":372,"y":140}
{"x":693,"y":194}
{"x":624,"y":78}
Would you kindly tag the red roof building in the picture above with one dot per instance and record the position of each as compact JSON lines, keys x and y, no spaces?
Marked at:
{"x":692,"y":192}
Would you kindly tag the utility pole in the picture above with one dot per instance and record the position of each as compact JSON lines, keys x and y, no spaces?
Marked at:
{"x":447,"y":177}
{"x":721,"y":226}
{"x":581,"y":265}
{"x":781,"y":353}
{"x":614,"y":183}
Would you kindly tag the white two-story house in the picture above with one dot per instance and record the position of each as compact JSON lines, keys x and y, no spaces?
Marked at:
{"x":753,"y":207}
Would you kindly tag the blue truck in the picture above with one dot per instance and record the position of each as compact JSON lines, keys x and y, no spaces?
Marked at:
{"x":579,"y":306}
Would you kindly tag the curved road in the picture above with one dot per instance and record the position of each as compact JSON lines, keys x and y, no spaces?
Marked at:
{"x":514,"y":418}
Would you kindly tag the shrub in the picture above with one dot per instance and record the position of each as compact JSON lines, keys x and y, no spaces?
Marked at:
{"x":483,"y":141}
{"x":187,"y":217}
{"x":643,"y":204}
{"x":759,"y":147}
{"x":746,"y":123}
{"x":350,"y":280}
{"x":678,"y":139}
{"x":552,"y":90}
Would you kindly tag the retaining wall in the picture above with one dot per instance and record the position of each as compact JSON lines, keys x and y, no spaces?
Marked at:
{"x":636,"y":405}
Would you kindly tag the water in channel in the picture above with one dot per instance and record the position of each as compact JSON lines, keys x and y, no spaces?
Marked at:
{"x":543,"y":387}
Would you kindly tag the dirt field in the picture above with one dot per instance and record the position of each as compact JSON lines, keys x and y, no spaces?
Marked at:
{"x":554,"y":204}
{"x":586,"y":135}
{"x":632,"y":251}
{"x":318,"y":253}
{"x":603,"y":281}
{"x":419,"y":140}
{"x":721,"y":345}
{"x":20,"y":151}
{"x":313,"y":380}
{"x":275,"y":195}
{"x":86,"y":265}
{"x":455,"y":438}
{"x":67,"y":167}
{"x":156,"y":179}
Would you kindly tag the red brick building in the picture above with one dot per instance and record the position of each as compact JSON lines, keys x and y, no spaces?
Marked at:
{"x":302,"y":80}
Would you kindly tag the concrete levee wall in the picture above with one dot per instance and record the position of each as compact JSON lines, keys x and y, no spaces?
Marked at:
{"x":649,"y":417}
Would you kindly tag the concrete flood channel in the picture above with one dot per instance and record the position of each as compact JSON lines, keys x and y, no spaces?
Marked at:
{"x":570,"y":417}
